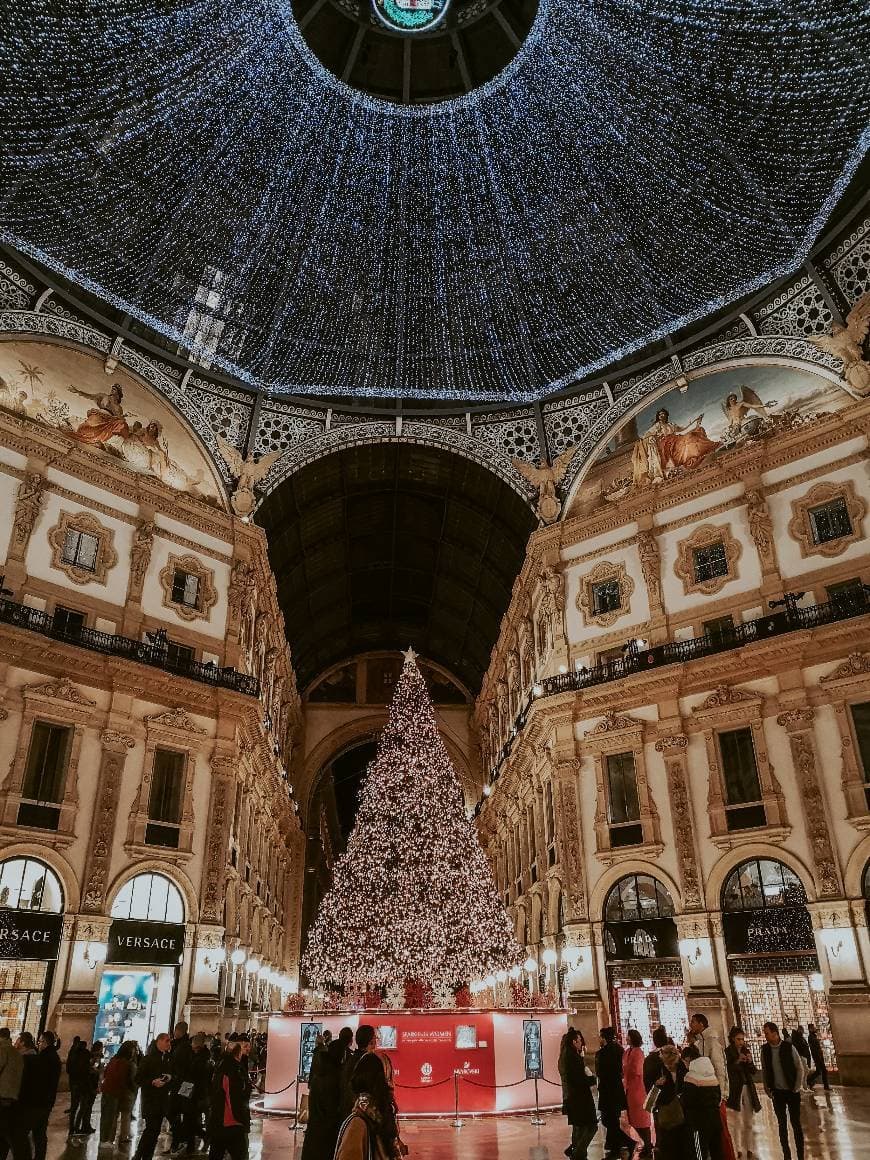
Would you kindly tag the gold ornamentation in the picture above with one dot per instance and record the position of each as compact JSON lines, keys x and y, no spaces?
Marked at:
{"x":174,"y":719}
{"x":726,"y":695}
{"x":545,"y":478}
{"x":856,"y":665}
{"x":60,"y":690}
{"x":612,"y":722}
{"x":847,"y":344}
{"x":106,"y":557}
{"x":206,"y":596}
{"x":606,"y":570}
{"x":28,"y":501}
{"x":800,"y":525}
{"x":704,"y":537}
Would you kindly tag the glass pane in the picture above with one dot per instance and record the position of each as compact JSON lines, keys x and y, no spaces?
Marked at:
{"x":830,"y":521}
{"x":861,"y":721}
{"x":159,"y":895}
{"x":191,"y":589}
{"x":28,"y":884}
{"x":89,"y":546}
{"x":46,"y":763}
{"x":121,"y":905}
{"x":11,"y":879}
{"x":140,"y":896}
{"x":622,"y":788}
{"x":739,"y":770}
{"x":70,"y":547}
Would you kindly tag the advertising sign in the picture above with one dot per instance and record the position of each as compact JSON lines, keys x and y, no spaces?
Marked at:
{"x":533,"y":1049}
{"x":29,"y":934}
{"x":307,"y":1043}
{"x":147,"y":943}
{"x":124,"y":1008}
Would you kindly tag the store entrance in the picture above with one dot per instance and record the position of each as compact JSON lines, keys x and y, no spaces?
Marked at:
{"x":31,"y":923}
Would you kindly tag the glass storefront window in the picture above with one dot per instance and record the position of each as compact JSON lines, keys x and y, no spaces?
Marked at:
{"x":151,"y":898}
{"x":28,"y":884}
{"x":28,"y":888}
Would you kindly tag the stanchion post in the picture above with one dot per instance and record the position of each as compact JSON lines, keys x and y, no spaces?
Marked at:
{"x":457,"y":1122}
{"x":537,"y":1118}
{"x":296,"y":1109}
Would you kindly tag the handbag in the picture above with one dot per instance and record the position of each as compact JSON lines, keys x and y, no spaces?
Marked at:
{"x":652,"y":1098}
{"x":670,"y":1115}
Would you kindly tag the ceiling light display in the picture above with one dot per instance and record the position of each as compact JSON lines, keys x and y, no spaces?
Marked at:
{"x":410,"y":15}
{"x":635,"y":166}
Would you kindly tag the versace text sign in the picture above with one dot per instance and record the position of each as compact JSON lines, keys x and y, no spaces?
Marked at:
{"x":29,"y":934}
{"x":146,"y":943}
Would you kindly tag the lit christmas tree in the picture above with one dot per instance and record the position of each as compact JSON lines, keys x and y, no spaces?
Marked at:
{"x":413,"y":899}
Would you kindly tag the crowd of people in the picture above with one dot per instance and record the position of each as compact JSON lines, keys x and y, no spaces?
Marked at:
{"x":351,"y":1111}
{"x":200,"y":1086}
{"x":695,"y":1100}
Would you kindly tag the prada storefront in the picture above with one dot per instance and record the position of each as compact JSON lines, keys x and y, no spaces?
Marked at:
{"x":31,"y":924}
{"x":139,"y":983}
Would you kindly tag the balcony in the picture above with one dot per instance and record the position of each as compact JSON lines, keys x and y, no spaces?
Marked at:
{"x":142,"y":652}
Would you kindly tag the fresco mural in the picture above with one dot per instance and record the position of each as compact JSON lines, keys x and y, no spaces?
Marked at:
{"x":683,"y":429}
{"x":111,"y":416}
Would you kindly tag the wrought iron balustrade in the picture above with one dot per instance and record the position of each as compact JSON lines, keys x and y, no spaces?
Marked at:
{"x":154,"y":654}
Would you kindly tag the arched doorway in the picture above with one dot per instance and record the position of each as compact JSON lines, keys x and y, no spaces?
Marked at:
{"x":31,"y":922}
{"x":139,"y":982}
{"x":641,"y":950}
{"x":771,"y":953}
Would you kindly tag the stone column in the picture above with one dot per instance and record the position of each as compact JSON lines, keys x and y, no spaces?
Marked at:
{"x":116,"y":746}
{"x":76,"y":1011}
{"x":140,"y":558}
{"x":674,"y":750}
{"x":28,"y":503}
{"x":569,"y":840}
{"x":700,"y":956}
{"x":798,"y":723}
{"x":223,"y":766}
{"x":650,"y":563}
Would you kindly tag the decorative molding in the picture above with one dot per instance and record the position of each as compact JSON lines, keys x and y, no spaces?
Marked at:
{"x":703,"y":537}
{"x":112,"y":739}
{"x":857,"y":665}
{"x":612,"y":722}
{"x":106,"y":557}
{"x":674,"y":745}
{"x":601,"y":573}
{"x":99,"y":851}
{"x":206,"y":595}
{"x":28,"y":502}
{"x":799,"y":724}
{"x":60,"y":690}
{"x":140,"y":557}
{"x":726,"y":695}
{"x":761,"y":528}
{"x":800,"y":525}
{"x":174,"y":719}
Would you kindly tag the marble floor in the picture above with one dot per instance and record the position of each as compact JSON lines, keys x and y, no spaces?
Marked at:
{"x":837,"y":1127}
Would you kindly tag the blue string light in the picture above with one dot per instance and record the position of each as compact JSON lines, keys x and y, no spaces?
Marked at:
{"x":639,"y":164}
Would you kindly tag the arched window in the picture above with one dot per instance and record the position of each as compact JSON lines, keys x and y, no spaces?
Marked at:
{"x":866,"y":882}
{"x":760,"y":883}
{"x":637,"y":897}
{"x":151,"y":897}
{"x":28,"y":884}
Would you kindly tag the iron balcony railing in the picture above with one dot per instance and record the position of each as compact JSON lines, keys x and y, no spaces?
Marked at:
{"x":786,"y":616}
{"x":155,"y":654}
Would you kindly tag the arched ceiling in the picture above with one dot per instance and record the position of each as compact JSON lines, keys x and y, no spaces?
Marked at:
{"x":635,"y":167}
{"x":386,"y":545}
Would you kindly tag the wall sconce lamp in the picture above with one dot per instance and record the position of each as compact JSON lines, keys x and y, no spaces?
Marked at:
{"x":834,"y":948}
{"x":213,"y":960}
{"x":238,"y":956}
{"x":95,"y":953}
{"x":691,"y":950}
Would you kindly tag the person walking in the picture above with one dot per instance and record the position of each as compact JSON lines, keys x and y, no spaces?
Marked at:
{"x":193,"y":1093}
{"x":577,"y":1100}
{"x":366,"y":1043}
{"x":179,"y":1062}
{"x":799,"y":1043}
{"x":370,"y":1132}
{"x":89,"y":1086}
{"x":782,"y":1070}
{"x":324,"y":1103}
{"x":229,"y":1114}
{"x":672,"y":1133}
{"x":817,"y":1054}
{"x":12,"y":1136}
{"x":43,"y":1077}
{"x":743,"y":1103}
{"x":652,"y":1065}
{"x":611,"y":1094}
{"x":118,"y":1087}
{"x":635,"y":1090}
{"x":153,"y":1079}
{"x":78,"y":1066}
{"x":701,"y":1099}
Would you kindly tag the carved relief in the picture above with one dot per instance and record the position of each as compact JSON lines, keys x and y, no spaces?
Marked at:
{"x":706,"y":536}
{"x":28,"y":502}
{"x":105,"y":559}
{"x":60,"y":690}
{"x":600,"y":574}
{"x":612,"y":722}
{"x":674,"y":750}
{"x":174,"y":719}
{"x":206,"y":595}
{"x":650,"y":563}
{"x":761,"y":528}
{"x":856,"y":665}
{"x":799,"y":723}
{"x":105,"y":816}
{"x":140,"y":556}
{"x":726,"y":695}
{"x":570,"y":841}
{"x":801,"y":525}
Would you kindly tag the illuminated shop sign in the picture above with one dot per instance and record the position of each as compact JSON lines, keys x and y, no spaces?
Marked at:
{"x":146,"y":943}
{"x":29,"y":934}
{"x":410,"y":15}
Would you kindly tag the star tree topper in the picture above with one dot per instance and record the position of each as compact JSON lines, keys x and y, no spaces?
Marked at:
{"x":413,"y":897}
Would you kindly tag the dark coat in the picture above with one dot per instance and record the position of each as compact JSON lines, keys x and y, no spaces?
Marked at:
{"x":608,"y":1067}
{"x":816,"y":1052}
{"x":238,"y":1089}
{"x":787,"y":1059}
{"x":78,"y":1065}
{"x":42,"y":1075}
{"x":701,"y":1108}
{"x":324,"y":1103}
{"x":800,"y":1045}
{"x":154,"y":1065}
{"x":578,"y":1106}
{"x":741,"y":1074}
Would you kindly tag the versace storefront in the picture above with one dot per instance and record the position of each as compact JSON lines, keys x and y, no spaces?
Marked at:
{"x":31,"y":924}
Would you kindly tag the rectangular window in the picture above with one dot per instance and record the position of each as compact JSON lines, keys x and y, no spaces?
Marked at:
{"x":720,"y":630}
{"x":861,"y":722}
{"x":743,"y":805}
{"x":709,"y":562}
{"x":830,"y":521}
{"x":68,"y":622}
{"x":80,"y":549}
{"x":846,"y":593}
{"x":180,"y":656}
{"x":164,"y":800}
{"x":611,"y":660}
{"x":606,"y":597}
{"x":45,"y":775}
{"x":623,"y":805}
{"x":185,"y":589}
{"x":550,"y":824}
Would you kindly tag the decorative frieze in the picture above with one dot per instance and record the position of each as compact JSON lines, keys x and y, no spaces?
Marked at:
{"x":674,"y":749}
{"x":798,"y":723}
{"x":115,"y":747}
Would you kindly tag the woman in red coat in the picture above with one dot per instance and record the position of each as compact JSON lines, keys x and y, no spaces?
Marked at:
{"x":635,"y":1091}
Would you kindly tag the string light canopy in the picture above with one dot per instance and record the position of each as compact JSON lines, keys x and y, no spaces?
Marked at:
{"x":413,"y":899}
{"x":635,"y":166}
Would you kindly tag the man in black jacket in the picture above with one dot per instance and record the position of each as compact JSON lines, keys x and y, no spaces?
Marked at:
{"x":192,"y":1079}
{"x":179,"y":1062}
{"x":817,"y":1054}
{"x":43,"y":1076}
{"x":611,"y":1093}
{"x":783,"y":1072}
{"x":154,"y":1079}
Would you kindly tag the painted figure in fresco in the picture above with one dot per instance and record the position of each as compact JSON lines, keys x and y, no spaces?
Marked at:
{"x":105,"y":420}
{"x":737,"y":408}
{"x":666,"y":448}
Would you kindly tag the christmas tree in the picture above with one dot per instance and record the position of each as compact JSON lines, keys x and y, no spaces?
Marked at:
{"x":413,"y":899}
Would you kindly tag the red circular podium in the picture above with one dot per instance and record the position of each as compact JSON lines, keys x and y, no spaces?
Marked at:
{"x":493,"y":1054}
